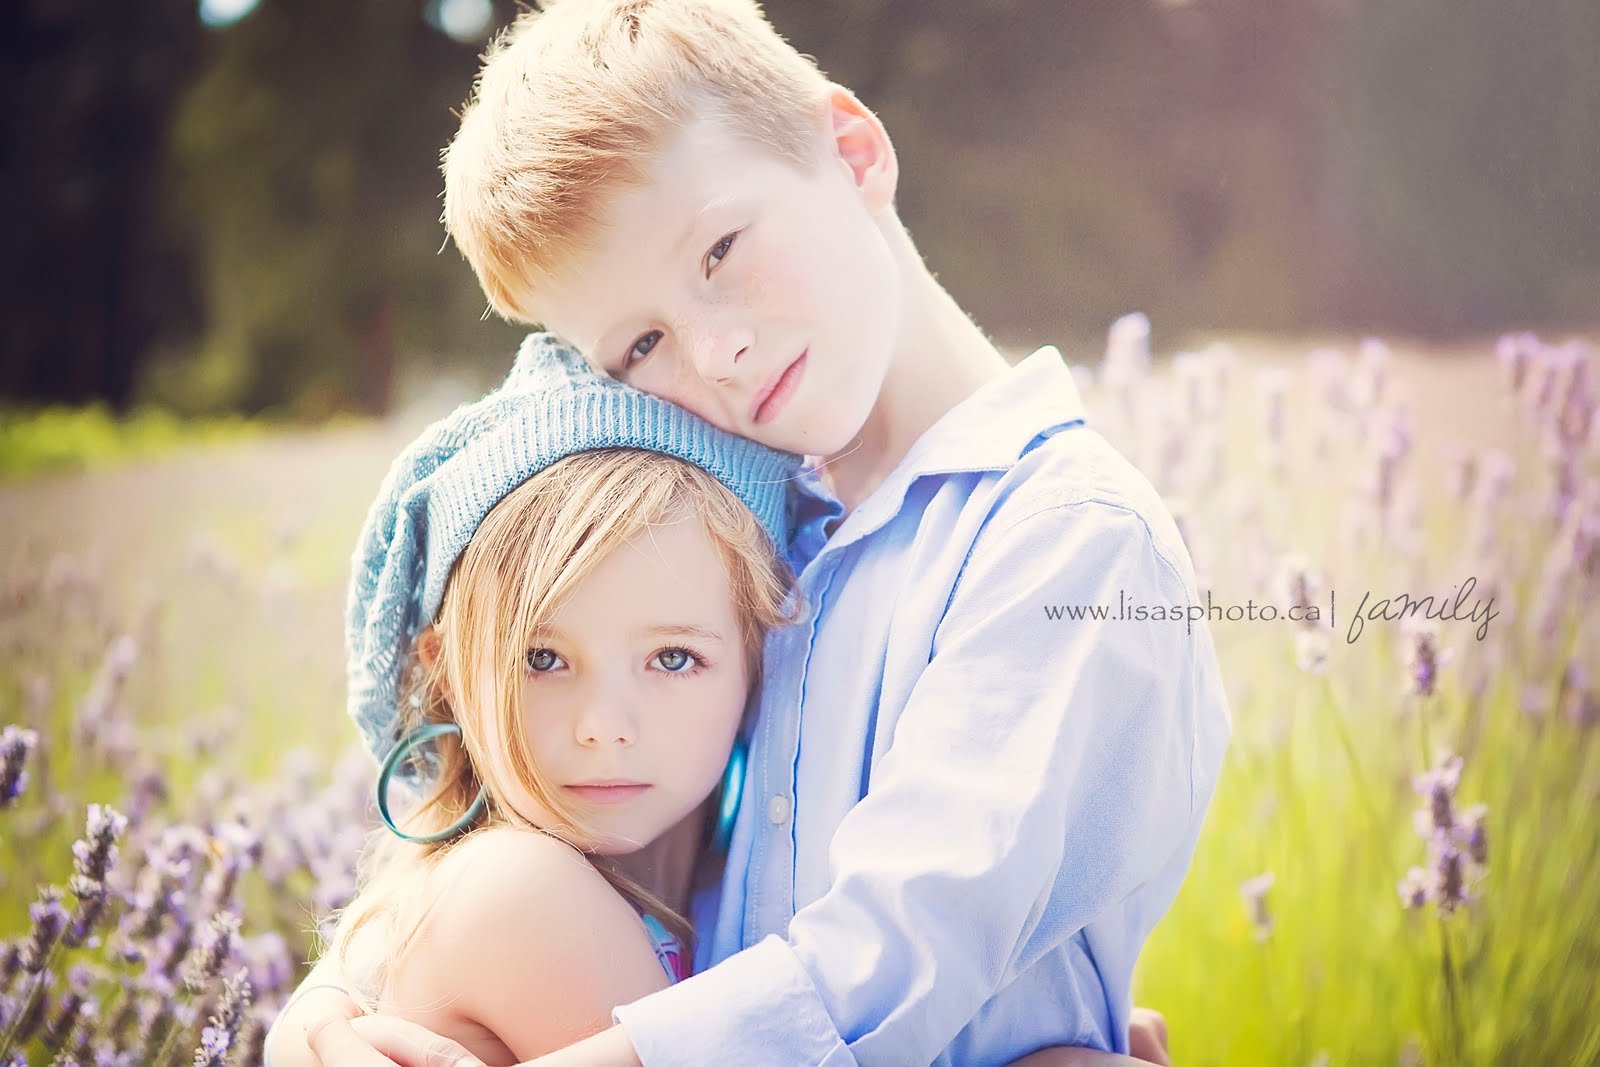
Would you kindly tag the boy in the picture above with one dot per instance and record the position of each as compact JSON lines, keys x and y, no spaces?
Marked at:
{"x":962,"y":819}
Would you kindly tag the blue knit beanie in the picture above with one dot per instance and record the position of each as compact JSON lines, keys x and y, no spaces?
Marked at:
{"x":436,"y":493}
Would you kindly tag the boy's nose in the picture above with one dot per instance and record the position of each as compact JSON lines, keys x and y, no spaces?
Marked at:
{"x":717,"y":354}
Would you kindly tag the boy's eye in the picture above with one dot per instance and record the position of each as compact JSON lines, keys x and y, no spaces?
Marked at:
{"x":635,"y":354}
{"x":675,"y":660}
{"x":720,"y":250}
{"x":542,"y":660}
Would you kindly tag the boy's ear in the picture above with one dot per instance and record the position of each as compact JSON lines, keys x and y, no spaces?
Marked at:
{"x":862,"y":145}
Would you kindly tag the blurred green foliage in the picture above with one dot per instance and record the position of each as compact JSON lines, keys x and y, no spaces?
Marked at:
{"x":246,"y":218}
{"x":42,"y":440}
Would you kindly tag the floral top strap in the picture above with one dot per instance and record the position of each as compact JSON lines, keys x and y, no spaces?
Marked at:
{"x":668,"y":949}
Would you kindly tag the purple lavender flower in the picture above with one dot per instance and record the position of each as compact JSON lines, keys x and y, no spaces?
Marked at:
{"x":1458,"y":847}
{"x":149,"y":789}
{"x":75,"y":1009}
{"x":49,"y":920}
{"x":221,"y":1036}
{"x":1254,"y":892}
{"x":100,"y":704}
{"x":1512,"y":353}
{"x":1473,"y":834}
{"x":96,"y":852}
{"x":32,"y":1010}
{"x":1450,"y":885}
{"x":1422,"y":667}
{"x":1439,"y":787}
{"x":270,"y":961}
{"x":1576,"y":696}
{"x":1415,"y":888}
{"x":16,"y":745}
{"x":206,"y":961}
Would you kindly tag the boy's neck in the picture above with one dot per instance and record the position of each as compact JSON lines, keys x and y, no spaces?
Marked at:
{"x":941,"y":359}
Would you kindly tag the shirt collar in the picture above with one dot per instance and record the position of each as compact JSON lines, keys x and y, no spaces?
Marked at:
{"x":988,"y":431}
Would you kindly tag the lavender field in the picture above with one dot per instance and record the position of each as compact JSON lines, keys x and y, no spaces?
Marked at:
{"x":1401,"y":865}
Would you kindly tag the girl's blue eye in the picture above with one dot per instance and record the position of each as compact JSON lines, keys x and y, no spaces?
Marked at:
{"x":542,"y":660}
{"x":725,"y":245}
{"x":635,"y":355}
{"x":675,"y":660}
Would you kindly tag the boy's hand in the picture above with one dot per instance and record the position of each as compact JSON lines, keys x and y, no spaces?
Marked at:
{"x":1147,"y":1036}
{"x":287,"y":1044}
{"x":382,"y":1042}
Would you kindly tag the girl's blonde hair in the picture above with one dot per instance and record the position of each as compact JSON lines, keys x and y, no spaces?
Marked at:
{"x":526,"y":557}
{"x":576,"y":101}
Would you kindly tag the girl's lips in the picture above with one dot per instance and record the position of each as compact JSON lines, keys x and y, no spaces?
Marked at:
{"x":608,"y":794}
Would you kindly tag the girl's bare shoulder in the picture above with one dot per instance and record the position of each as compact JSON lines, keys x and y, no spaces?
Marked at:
{"x":530,"y":941}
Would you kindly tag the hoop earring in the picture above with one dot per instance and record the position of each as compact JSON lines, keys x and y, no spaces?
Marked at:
{"x":732,"y":791}
{"x":392,"y":761}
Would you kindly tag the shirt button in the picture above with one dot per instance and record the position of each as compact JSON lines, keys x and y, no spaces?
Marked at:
{"x":778,"y":809}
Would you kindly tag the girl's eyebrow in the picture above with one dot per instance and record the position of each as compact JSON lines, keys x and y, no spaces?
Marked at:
{"x":700,"y":633}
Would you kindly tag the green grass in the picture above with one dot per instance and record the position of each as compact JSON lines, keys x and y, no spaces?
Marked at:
{"x":54,"y":439}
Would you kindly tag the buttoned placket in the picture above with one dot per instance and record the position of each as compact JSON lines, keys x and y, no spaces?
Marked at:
{"x":770,"y":886}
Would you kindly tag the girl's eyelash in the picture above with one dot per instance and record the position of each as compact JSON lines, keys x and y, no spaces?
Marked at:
{"x":527,"y":659}
{"x":700,"y":661}
{"x":699,"y":658}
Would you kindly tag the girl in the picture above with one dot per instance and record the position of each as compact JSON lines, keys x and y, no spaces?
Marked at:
{"x":563,"y":637}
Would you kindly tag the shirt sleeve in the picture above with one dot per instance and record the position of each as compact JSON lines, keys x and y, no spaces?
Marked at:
{"x":1041,"y":771}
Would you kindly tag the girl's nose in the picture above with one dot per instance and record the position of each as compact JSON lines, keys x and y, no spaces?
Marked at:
{"x":608,"y":719}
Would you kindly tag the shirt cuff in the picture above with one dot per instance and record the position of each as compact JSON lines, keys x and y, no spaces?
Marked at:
{"x":757,"y":1007}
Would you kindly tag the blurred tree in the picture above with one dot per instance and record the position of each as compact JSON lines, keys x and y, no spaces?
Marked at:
{"x":310,"y":189}
{"x":90,"y":274}
{"x":248,"y":218}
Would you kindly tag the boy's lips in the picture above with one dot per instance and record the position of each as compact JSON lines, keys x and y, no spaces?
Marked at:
{"x":776,"y":392}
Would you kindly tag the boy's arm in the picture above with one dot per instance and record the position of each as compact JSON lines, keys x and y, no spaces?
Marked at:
{"x":1041,"y":772}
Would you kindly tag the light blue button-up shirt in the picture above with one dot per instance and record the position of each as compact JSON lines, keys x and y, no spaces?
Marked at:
{"x":962,"y":817}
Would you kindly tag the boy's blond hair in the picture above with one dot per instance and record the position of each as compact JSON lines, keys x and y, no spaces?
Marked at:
{"x":576,"y":101}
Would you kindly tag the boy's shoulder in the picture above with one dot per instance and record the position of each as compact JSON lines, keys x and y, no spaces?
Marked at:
{"x":1074,"y":474}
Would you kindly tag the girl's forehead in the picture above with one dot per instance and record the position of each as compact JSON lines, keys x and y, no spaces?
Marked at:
{"x":670,"y":574}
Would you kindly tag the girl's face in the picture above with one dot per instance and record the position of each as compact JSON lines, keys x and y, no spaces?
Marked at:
{"x":633,"y":693}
